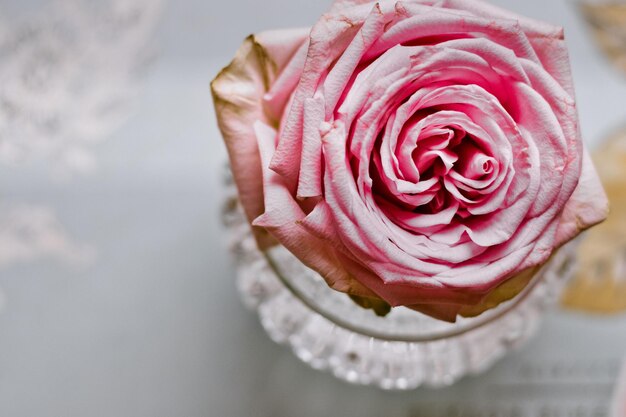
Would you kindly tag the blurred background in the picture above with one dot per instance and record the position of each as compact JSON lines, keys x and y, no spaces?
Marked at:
{"x":118,"y":292}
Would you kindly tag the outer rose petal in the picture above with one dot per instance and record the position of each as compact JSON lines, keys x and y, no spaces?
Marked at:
{"x":444,"y":312}
{"x":546,"y":39}
{"x":588,"y":205}
{"x":283,"y":217}
{"x":238,"y":91}
{"x":503,"y":292}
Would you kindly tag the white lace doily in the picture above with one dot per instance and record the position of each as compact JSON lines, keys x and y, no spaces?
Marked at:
{"x":67,"y":72}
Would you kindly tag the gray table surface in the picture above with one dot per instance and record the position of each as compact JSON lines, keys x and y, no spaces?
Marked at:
{"x":152,"y":325}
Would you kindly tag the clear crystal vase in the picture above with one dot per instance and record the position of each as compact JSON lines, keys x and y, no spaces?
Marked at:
{"x":402,"y":350}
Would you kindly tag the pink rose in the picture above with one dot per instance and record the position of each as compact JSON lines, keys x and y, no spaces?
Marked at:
{"x":425,"y":153}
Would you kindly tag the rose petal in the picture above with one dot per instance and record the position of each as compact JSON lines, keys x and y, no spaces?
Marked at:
{"x":310,"y":178}
{"x":328,"y":39}
{"x":444,"y":22}
{"x":587,"y":206}
{"x":237,"y":93}
{"x":283,"y":216}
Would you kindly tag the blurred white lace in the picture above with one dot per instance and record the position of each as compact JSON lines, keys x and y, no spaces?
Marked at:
{"x":30,"y":233}
{"x":67,"y":74}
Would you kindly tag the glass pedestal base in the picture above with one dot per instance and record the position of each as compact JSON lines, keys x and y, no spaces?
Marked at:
{"x":402,"y":350}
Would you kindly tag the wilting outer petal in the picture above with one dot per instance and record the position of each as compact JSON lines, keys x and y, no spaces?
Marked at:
{"x":238,"y":91}
{"x":503,"y":292}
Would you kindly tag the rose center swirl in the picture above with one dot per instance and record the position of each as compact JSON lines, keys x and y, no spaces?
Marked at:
{"x":428,"y":170}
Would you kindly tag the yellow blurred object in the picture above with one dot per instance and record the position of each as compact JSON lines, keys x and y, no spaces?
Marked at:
{"x":607,"y":20}
{"x":600,"y":283}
